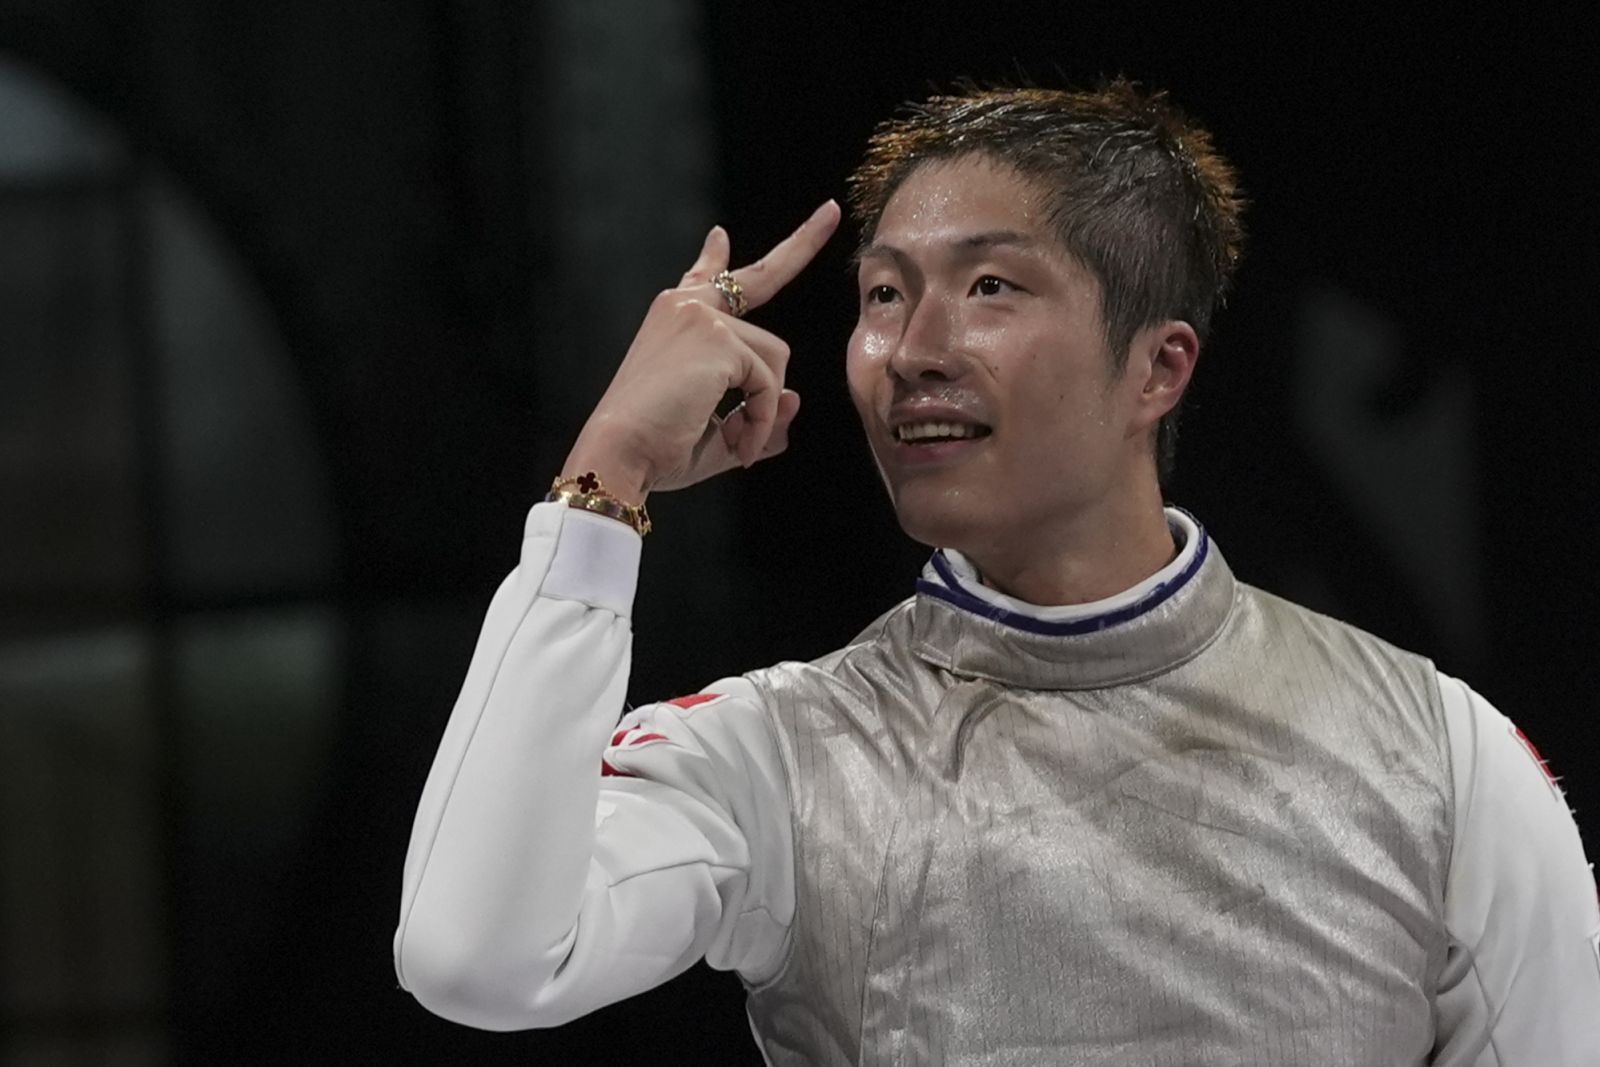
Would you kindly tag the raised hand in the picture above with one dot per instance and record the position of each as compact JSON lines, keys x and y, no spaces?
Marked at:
{"x":656,"y":427}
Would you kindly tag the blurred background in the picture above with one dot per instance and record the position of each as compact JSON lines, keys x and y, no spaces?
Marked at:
{"x":302,"y":304}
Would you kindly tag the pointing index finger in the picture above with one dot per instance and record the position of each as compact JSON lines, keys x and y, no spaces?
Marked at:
{"x":762,"y":279}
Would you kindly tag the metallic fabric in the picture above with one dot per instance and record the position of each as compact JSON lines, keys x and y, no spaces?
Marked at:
{"x":1214,"y":834}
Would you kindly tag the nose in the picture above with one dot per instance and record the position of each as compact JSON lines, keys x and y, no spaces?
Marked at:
{"x":927,"y":347}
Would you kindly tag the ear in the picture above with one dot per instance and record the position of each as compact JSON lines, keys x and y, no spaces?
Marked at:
{"x":1160,"y":363}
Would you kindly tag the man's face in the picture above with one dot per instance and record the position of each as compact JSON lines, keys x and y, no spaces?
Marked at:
{"x":979,"y":365}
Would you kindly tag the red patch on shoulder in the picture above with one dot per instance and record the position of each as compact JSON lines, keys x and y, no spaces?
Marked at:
{"x":691,"y":701}
{"x":1544,"y":764}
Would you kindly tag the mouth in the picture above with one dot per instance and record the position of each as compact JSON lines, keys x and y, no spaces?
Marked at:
{"x":927,"y":434}
{"x":934,"y":444}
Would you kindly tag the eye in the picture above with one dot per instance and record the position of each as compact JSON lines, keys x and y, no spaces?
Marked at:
{"x":989,"y":285}
{"x":882,"y":294}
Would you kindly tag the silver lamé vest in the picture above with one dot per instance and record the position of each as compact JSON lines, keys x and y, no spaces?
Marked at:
{"x":1210,"y":831}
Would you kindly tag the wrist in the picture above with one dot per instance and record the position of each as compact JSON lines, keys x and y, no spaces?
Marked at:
{"x":603,"y":452}
{"x":588,"y":492}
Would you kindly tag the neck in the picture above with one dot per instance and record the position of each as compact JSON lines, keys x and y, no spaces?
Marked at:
{"x":1088,"y":557}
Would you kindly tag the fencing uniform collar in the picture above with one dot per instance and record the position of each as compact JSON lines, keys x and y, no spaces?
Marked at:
{"x":971,"y":630}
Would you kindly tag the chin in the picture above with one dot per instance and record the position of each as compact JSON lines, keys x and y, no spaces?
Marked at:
{"x":941,"y":523}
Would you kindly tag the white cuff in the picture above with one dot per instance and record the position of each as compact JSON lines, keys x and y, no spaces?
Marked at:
{"x":596,"y":560}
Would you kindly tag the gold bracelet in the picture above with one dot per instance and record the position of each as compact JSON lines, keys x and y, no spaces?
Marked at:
{"x":587,"y":493}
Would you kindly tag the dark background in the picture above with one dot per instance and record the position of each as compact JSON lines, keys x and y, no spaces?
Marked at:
{"x":246,"y":554}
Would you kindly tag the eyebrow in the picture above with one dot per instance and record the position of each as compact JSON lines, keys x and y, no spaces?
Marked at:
{"x":964,"y":246}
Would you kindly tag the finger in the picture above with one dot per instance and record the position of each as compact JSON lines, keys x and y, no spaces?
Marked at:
{"x":713,"y":258}
{"x":762,"y":279}
{"x":755,"y":363}
{"x":773,"y":350}
{"x":736,"y":425}
{"x":762,"y":391}
{"x":788,"y":409}
{"x":714,"y":452}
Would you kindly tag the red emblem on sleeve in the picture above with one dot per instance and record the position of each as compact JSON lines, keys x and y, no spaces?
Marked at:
{"x":607,"y":770}
{"x":629,"y":737}
{"x":690,"y":701}
{"x":634,"y":736}
{"x":639,"y":739}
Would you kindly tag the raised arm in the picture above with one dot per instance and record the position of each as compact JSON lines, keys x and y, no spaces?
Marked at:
{"x":535,"y":890}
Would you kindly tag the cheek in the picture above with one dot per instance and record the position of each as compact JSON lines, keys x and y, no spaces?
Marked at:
{"x":868,"y":352}
{"x":1062,"y":400}
{"x":871,"y":344}
{"x":990,"y":341}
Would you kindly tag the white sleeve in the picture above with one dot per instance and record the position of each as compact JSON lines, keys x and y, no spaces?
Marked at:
{"x":1521,"y":984}
{"x":536,"y":887}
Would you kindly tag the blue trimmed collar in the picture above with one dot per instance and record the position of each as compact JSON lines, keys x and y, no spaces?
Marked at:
{"x":971,"y":629}
{"x":941,"y":580}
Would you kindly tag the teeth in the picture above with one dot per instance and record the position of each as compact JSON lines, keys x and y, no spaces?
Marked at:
{"x":921,"y":431}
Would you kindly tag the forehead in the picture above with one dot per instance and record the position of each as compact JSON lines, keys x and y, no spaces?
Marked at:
{"x":943,"y":201}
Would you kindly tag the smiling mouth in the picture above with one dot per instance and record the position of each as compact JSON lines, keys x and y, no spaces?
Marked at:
{"x":936,"y":433}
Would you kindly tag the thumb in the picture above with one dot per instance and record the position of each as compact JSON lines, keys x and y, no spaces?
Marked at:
{"x":713,"y":258}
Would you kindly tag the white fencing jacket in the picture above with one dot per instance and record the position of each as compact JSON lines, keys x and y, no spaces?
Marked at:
{"x":562,"y":860}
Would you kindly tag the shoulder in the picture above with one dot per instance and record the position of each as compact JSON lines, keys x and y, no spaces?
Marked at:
{"x":1297,"y":637}
{"x":1505,"y":787}
{"x":1520,"y":902}
{"x":1288,"y":616}
{"x":873,"y":643}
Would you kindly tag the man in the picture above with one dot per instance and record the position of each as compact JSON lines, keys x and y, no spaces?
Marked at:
{"x":1083,"y":799}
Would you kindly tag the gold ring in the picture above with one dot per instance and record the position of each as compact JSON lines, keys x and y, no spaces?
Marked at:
{"x":732,"y":293}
